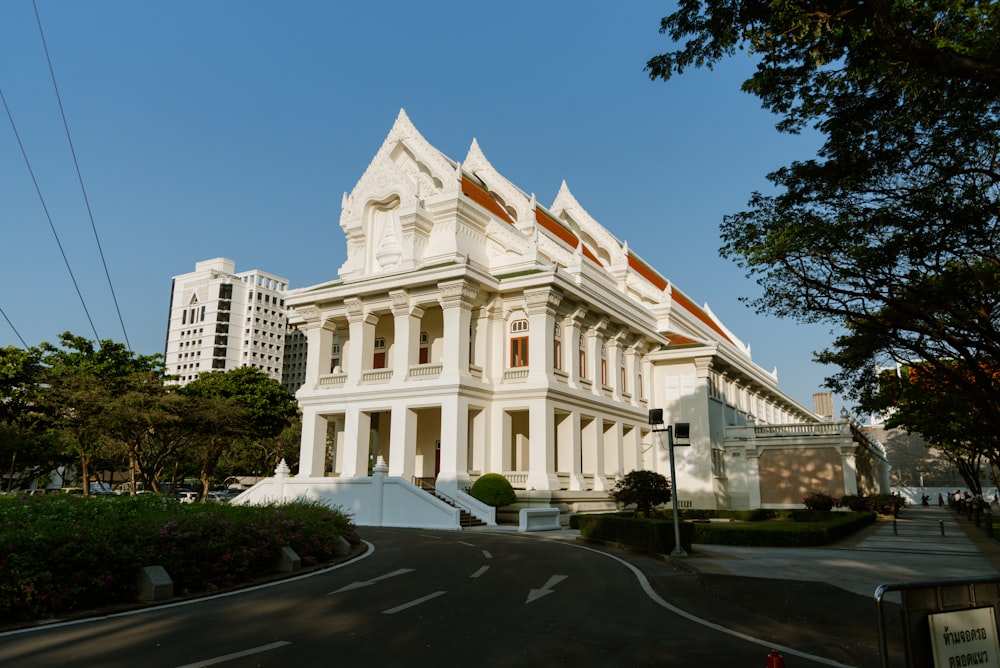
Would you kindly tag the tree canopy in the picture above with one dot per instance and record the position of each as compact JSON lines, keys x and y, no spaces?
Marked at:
{"x":105,"y":408}
{"x":891,"y":231}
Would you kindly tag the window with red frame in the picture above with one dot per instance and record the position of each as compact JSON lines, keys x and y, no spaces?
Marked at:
{"x":519,"y":343}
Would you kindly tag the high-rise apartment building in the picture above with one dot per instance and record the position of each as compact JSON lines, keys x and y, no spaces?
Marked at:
{"x":221,"y":320}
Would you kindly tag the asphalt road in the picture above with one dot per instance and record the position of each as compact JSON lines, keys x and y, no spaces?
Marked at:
{"x":417,"y":597}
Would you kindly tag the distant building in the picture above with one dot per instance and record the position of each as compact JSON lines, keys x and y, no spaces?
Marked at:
{"x":221,"y":320}
{"x":473,"y":330}
{"x":293,"y":370}
{"x":823,"y":405}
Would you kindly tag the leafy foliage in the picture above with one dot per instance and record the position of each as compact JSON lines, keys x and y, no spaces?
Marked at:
{"x":104,"y":407}
{"x":494,"y":490}
{"x":646,"y":489}
{"x":60,"y":553}
{"x":891,"y":232}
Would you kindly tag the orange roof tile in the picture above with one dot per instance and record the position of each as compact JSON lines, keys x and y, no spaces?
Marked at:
{"x":689,"y":306}
{"x":480,"y":196}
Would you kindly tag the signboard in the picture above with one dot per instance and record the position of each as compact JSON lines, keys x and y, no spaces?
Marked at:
{"x":962,"y":638}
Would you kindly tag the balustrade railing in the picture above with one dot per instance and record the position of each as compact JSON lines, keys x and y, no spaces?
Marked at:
{"x":332,"y":380}
{"x":376,"y":376}
{"x":425,"y":371}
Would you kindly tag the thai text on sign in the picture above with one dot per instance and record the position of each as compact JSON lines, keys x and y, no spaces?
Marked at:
{"x":963,"y":638}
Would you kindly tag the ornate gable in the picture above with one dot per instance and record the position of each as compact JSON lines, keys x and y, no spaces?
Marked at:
{"x":382,"y":217}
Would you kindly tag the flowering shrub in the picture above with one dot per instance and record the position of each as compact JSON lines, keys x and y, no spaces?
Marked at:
{"x":816,"y":501}
{"x":857,"y":503}
{"x":886,"y":504}
{"x":63,"y":553}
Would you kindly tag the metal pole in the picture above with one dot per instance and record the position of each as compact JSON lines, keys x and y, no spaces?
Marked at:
{"x":678,"y":550}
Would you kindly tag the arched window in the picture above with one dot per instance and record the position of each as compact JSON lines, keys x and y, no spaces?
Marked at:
{"x":583,"y":355}
{"x":519,"y":343}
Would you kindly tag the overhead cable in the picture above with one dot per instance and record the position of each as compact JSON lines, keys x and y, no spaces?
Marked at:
{"x":45,"y":208}
{"x":16,"y":333}
{"x":79,"y":175}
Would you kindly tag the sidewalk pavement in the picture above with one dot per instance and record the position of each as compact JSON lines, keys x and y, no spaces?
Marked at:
{"x":923,"y":544}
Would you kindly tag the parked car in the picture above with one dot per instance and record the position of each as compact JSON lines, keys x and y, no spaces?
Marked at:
{"x":187,"y":496}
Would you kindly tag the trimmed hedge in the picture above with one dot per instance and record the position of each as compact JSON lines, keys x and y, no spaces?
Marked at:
{"x":805,"y":528}
{"x":647,"y":534}
{"x":768,"y":528}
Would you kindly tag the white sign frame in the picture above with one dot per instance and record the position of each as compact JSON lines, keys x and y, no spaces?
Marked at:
{"x":964,"y":638}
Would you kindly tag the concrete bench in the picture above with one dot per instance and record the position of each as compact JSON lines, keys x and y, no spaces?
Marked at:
{"x":539,"y":519}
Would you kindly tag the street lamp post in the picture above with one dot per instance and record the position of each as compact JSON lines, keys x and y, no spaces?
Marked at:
{"x":682,"y":432}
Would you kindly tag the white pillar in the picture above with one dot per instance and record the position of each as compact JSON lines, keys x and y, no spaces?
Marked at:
{"x":402,"y":442}
{"x":319,"y":344}
{"x":576,"y":480}
{"x":454,"y":472}
{"x":312,"y":447}
{"x":406,"y":344}
{"x":541,"y":457}
{"x":356,"y":444}
{"x":456,"y":306}
{"x":541,"y":308}
{"x":362,"y":339}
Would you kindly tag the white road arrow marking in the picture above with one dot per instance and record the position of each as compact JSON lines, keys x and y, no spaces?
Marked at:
{"x":535,"y":594}
{"x":422,"y":599}
{"x":359,"y":585}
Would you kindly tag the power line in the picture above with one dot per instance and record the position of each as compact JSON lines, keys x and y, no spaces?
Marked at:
{"x":79,"y":175}
{"x":45,"y":208}
{"x":16,"y":333}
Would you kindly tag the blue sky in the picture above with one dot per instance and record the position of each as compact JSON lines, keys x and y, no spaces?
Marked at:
{"x":209,"y":128}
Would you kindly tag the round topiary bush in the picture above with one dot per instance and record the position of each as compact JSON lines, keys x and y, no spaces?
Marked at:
{"x":493,"y":490}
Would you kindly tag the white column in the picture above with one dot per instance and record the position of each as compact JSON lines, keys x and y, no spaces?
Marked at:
{"x":356,"y":444}
{"x":406,"y":344}
{"x":850,"y":466}
{"x":613,"y":450}
{"x":319,"y":344}
{"x":576,"y":481}
{"x":454,"y":473}
{"x":456,"y":305}
{"x":541,"y":456}
{"x":362,"y":339}
{"x":572,"y":326}
{"x":752,"y":456}
{"x":541,"y":308}
{"x":402,"y":442}
{"x":312,"y":447}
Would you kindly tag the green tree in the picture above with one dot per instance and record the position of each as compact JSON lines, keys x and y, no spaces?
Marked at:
{"x":920,"y":398}
{"x":891,"y":231}
{"x":79,"y":383}
{"x":28,"y":453}
{"x":646,"y":489}
{"x":240,"y":404}
{"x":153,"y":425}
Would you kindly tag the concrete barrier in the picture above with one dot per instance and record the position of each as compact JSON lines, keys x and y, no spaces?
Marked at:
{"x":288,"y":561}
{"x":539,"y":519}
{"x":154,"y":584}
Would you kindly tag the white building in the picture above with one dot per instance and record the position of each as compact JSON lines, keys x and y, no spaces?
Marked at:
{"x":221,"y":320}
{"x":474,"y":330}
